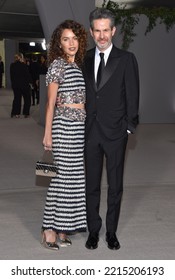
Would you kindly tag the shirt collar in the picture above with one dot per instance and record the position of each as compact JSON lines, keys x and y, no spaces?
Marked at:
{"x":106,"y":52}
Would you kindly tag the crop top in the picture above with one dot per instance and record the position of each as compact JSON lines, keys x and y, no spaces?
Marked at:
{"x":71,"y":87}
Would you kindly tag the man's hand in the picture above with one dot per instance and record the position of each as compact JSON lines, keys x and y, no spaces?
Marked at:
{"x":58,"y":102}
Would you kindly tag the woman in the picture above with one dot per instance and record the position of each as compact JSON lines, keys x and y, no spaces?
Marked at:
{"x":21,"y":81}
{"x":65,"y":209}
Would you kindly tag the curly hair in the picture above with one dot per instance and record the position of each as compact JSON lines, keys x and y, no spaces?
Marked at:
{"x":54,"y":49}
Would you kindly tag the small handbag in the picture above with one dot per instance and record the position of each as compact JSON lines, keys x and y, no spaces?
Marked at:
{"x":46,"y":166}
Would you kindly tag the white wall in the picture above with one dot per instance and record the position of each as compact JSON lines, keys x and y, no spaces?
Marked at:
{"x":154,"y":52}
{"x":156,"y":57}
{"x":53,"y":12}
{"x":11,"y":47}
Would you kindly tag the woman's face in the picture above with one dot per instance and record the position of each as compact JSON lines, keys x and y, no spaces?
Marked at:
{"x":69,"y":43}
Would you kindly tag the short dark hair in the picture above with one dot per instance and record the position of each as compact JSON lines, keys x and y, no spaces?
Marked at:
{"x":100,"y":13}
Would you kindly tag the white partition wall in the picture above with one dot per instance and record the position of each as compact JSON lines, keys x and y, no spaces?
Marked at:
{"x":53,"y":12}
{"x":156,"y":57}
{"x":155,"y":53}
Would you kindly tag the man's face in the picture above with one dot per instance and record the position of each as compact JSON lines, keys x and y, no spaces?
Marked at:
{"x":102,"y":33}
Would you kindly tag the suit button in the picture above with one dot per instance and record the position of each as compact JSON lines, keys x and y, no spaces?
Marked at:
{"x":97,"y":96}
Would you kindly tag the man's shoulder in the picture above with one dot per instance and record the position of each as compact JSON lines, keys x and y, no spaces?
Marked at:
{"x":14,"y":64}
{"x":90,"y":52}
{"x":116,"y":50}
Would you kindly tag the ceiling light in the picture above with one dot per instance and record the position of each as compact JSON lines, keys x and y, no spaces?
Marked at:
{"x":32,"y":44}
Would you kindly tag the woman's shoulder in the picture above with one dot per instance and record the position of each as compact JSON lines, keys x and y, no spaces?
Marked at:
{"x":56,"y":71}
{"x":58,"y":62}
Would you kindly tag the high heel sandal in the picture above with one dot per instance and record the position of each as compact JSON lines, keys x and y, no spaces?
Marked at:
{"x":64,"y":241}
{"x":46,"y":244}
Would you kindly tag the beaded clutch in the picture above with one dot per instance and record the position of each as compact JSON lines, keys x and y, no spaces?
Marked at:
{"x":45,"y":169}
{"x":46,"y":166}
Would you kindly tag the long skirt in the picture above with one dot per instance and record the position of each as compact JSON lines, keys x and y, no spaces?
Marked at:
{"x":65,"y":208}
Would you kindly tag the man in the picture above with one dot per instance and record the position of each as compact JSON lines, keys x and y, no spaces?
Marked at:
{"x":112,"y":113}
{"x":43,"y":65}
{"x":35,"y":72}
{"x":1,"y":70}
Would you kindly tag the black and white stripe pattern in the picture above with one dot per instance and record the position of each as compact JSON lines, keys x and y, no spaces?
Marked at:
{"x":73,"y":80}
{"x":65,"y":209}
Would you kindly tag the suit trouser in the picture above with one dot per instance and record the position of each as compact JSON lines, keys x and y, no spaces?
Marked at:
{"x":96,"y":147}
{"x":0,"y":80}
{"x":35,"y":93}
{"x":18,"y":94}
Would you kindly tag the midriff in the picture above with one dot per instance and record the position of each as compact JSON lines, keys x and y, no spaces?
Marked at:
{"x":74,"y":105}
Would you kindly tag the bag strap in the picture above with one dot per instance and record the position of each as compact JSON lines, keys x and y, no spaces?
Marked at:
{"x":47,"y":157}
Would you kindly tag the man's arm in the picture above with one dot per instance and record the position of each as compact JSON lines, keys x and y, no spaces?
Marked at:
{"x":132,"y":92}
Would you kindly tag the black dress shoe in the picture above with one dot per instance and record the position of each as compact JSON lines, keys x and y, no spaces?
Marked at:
{"x":92,"y":242}
{"x":112,"y":241}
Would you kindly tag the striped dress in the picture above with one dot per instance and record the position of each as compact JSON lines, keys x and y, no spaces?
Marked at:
{"x":65,"y":207}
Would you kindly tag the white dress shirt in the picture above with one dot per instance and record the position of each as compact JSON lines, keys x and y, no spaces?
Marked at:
{"x":97,"y":59}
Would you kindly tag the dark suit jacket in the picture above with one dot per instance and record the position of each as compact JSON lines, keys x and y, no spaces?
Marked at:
{"x":1,"y":67}
{"x":19,"y":74}
{"x":114,"y":106}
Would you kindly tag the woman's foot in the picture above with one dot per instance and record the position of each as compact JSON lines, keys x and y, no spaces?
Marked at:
{"x":64,"y":241}
{"x":15,"y":116}
{"x":48,"y":239}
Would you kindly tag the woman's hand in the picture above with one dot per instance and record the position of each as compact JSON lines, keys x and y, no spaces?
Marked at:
{"x":47,"y":143}
{"x":50,"y":106}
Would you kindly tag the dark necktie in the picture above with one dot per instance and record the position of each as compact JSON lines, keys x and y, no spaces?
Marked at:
{"x":100,"y":68}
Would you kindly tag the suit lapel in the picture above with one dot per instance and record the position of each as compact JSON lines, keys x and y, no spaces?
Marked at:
{"x":111,"y":65}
